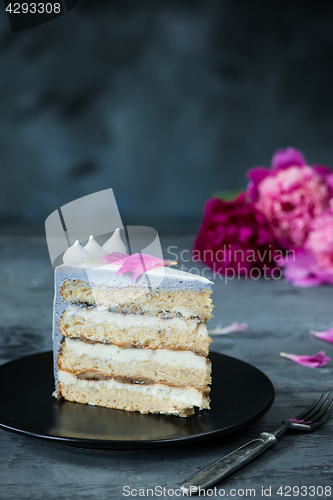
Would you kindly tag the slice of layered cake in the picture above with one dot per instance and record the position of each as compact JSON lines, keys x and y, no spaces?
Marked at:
{"x":137,"y":345}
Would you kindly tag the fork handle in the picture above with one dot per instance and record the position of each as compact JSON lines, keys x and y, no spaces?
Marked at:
{"x":224,"y":466}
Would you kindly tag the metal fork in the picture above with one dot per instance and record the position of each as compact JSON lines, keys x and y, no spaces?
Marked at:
{"x":307,"y":421}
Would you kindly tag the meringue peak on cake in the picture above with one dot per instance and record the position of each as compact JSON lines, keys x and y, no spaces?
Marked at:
{"x":115,"y":244}
{"x":94,"y":249}
{"x":76,"y":255}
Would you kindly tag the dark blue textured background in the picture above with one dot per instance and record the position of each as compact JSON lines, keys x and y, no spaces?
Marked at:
{"x":166,"y":102}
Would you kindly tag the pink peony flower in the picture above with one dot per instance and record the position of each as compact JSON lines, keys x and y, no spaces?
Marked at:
{"x":235,"y":237}
{"x":320,"y":240}
{"x":303,"y":270}
{"x":290,"y":195}
{"x":313,"y":265}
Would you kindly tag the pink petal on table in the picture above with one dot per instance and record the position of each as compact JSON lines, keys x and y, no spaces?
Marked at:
{"x":327,"y":335}
{"x":318,"y":360}
{"x":234,"y":327}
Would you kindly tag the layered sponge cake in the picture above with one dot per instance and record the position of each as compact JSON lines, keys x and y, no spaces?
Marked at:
{"x":137,"y":345}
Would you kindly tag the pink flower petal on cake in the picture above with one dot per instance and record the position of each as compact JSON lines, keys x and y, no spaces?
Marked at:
{"x":114,"y":257}
{"x":130,"y":264}
{"x":234,"y":327}
{"x":147,"y":262}
{"x":137,"y":272}
{"x":317,"y":361}
{"x":326,"y":335}
{"x":139,"y":263}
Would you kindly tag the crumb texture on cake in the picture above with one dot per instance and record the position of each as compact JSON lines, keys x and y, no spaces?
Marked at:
{"x":101,"y":325}
{"x":131,"y":300}
{"x":176,"y":368}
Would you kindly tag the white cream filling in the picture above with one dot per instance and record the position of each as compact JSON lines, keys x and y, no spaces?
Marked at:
{"x":189,"y":396}
{"x":187,"y":359}
{"x":101,"y":314}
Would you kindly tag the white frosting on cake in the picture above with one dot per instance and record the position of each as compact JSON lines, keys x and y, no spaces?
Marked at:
{"x":88,"y":261}
{"x":105,"y":275}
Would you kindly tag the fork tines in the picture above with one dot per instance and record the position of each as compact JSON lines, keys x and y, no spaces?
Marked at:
{"x":324,"y":404}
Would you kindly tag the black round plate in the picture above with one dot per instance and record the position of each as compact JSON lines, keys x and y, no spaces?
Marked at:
{"x":240,"y":395}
